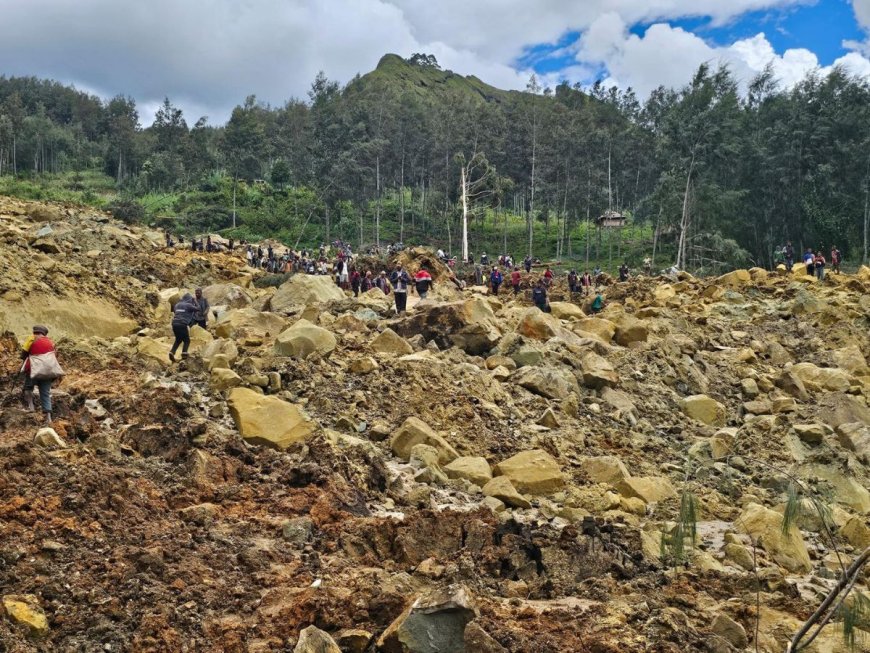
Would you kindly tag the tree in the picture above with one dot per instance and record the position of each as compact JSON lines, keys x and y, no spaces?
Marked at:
{"x":242,"y":139}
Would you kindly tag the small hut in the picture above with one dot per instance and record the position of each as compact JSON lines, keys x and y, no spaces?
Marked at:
{"x":610,"y":219}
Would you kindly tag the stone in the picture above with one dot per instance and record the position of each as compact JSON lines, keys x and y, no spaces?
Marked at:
{"x":650,"y":489}
{"x":704,"y":409}
{"x":364,"y":365}
{"x":604,"y":469}
{"x":839,"y":409}
{"x":532,"y":472}
{"x":297,"y":530}
{"x":470,"y":324}
{"x":241,"y":323}
{"x":765,"y":526}
{"x":855,"y":436}
{"x":415,"y":431}
{"x":792,"y":384}
{"x":226,"y":294}
{"x":77,"y":316}
{"x":495,"y":505}
{"x":811,"y":434}
{"x":597,"y":326}
{"x":538,"y":325}
{"x":739,"y":555}
{"x":500,"y":361}
{"x":434,"y":623}
{"x":303,"y":339}
{"x":548,"y":382}
{"x":758,"y":407}
{"x":566,"y":311}
{"x":314,"y":640}
{"x":850,"y":359}
{"x":471,"y":468}
{"x":502,"y":489}
{"x":477,"y":640}
{"x":224,"y":348}
{"x":353,"y":640}
{"x":548,"y":419}
{"x":153,"y":350}
{"x":305,"y":290}
{"x":734,"y":279}
{"x":722,"y":443}
{"x":749,"y":388}
{"x":856,"y":532}
{"x":389,"y":342}
{"x":630,"y":330}
{"x":24,"y":609}
{"x":49,"y":439}
{"x":501,"y":373}
{"x":526,"y":355}
{"x":268,"y":420}
{"x":823,"y":378}
{"x":221,"y":379}
{"x":729,"y":630}
{"x":597,"y":371}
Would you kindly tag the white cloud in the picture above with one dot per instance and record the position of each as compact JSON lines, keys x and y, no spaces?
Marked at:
{"x":207,"y":55}
{"x":862,"y":13}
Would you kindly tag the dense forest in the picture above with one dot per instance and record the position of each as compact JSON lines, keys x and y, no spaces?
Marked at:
{"x":714,"y":174}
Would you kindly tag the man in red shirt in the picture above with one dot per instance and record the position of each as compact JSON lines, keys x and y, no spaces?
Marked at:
{"x":38,"y":344}
{"x":423,"y":282}
{"x":516,"y":277}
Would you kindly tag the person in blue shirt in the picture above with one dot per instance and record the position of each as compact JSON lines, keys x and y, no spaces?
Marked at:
{"x":495,"y":279}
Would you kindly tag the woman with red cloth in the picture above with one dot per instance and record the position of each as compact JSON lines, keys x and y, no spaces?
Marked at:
{"x":37,"y":345}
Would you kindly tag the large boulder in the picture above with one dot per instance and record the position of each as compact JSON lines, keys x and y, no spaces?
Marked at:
{"x":566,"y":311}
{"x":734,"y":279}
{"x":471,"y":325}
{"x":471,"y":468}
{"x":630,"y":330}
{"x":303,"y":339}
{"x":822,"y":378}
{"x":433,"y":623}
{"x":390,"y":342}
{"x":74,"y":317}
{"x":249,"y":323}
{"x":605,"y":469}
{"x":532,"y":472}
{"x":649,"y":489}
{"x":502,"y":489}
{"x":222,"y":379}
{"x":376,"y":300}
{"x":314,"y":640}
{"x":267,"y":420}
{"x":765,"y":527}
{"x":597,"y":371}
{"x":414,"y":431}
{"x":855,"y":436}
{"x":153,"y":350}
{"x":220,"y":347}
{"x":547,"y":382}
{"x":304,"y":290}
{"x":704,"y":409}
{"x":226,"y":294}
{"x":538,"y":325}
{"x":597,"y":326}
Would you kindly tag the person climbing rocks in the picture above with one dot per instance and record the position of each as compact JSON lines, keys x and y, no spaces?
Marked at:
{"x":423,"y":282}
{"x":836,"y":257}
{"x":539,"y":296}
{"x":623,"y":272}
{"x":548,"y":277}
{"x":355,"y":282}
{"x":788,"y":254}
{"x":527,"y":262}
{"x":516,"y":278}
{"x":495,"y":279}
{"x":819,"y":263}
{"x":202,"y":308}
{"x":184,"y":315}
{"x":478,"y":275}
{"x":597,"y":304}
{"x":40,"y":369}
{"x":484,"y":259}
{"x":400,"y":281}
{"x":810,"y":261}
{"x":586,"y":283}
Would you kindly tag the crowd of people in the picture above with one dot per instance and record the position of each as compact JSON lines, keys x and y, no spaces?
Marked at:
{"x":815,"y":262}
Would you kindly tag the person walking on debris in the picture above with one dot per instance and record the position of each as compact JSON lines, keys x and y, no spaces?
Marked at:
{"x":788,"y":252}
{"x":597,"y":303}
{"x":528,"y":263}
{"x":819,"y":263}
{"x":202,"y":308}
{"x":548,"y":277}
{"x":423,"y":282}
{"x":539,"y":296}
{"x":573,"y":282}
{"x":836,"y":257}
{"x":484,"y":259}
{"x":183,"y":316}
{"x":586,"y":283}
{"x":478,"y":275}
{"x":495,"y":279}
{"x":810,"y":262}
{"x":383,"y":283}
{"x":355,"y":282}
{"x":400,"y":280}
{"x":40,"y":369}
{"x":623,"y":272}
{"x":367,"y":283}
{"x":516,"y":278}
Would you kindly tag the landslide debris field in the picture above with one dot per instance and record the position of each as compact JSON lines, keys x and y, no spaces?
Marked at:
{"x":475,"y":475}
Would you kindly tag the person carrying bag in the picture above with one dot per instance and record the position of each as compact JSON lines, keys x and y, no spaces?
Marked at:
{"x":40,"y":368}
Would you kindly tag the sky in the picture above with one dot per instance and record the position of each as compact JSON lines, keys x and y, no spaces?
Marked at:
{"x":208,"y":55}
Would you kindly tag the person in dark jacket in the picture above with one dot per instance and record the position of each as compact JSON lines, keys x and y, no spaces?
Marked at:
{"x":202,"y":307}
{"x":495,"y":279}
{"x":183,"y":316}
{"x":400,"y":280}
{"x":423,"y":282}
{"x":539,"y":296}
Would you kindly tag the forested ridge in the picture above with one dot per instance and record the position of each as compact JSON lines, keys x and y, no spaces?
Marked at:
{"x":712,"y":175}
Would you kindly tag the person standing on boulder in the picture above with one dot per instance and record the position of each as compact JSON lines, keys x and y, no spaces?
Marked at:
{"x":819,"y":263}
{"x":423,"y":282}
{"x":202,"y":308}
{"x":478,"y":275}
{"x":183,"y":316}
{"x":623,"y":272}
{"x":573,"y":282}
{"x":788,"y":253}
{"x":495,"y":279}
{"x":516,"y":278}
{"x":539,"y":296}
{"x":586,"y":283}
{"x":383,"y":283}
{"x":400,"y":281}
{"x":355,"y":282}
{"x":810,"y":261}
{"x":40,"y":369}
{"x":836,"y":257}
{"x":528,"y":263}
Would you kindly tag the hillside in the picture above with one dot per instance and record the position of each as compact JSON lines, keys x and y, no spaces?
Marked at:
{"x":475,"y":475}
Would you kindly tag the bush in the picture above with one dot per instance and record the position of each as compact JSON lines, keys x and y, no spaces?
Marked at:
{"x":126,"y":210}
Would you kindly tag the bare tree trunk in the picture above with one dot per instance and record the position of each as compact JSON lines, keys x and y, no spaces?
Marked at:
{"x":402,"y":196}
{"x":684,"y":219}
{"x":464,"y":192}
{"x":866,"y":213}
{"x":532,"y":197}
{"x":656,"y":235}
{"x":378,"y":203}
{"x":235,"y":181}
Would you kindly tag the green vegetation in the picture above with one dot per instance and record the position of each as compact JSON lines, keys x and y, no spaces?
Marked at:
{"x":707,"y":176}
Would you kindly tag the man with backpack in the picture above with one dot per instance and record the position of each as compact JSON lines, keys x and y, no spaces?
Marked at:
{"x":495,"y":279}
{"x":423,"y":282}
{"x":516,"y":278}
{"x":40,"y":369}
{"x":184,"y":315}
{"x":539,"y":296}
{"x":573,"y":282}
{"x":400,"y":281}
